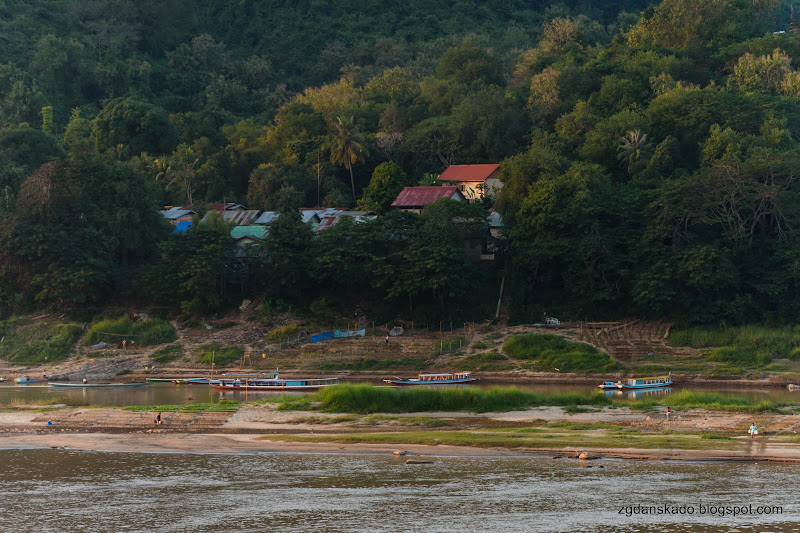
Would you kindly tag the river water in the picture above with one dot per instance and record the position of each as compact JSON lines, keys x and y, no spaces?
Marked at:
{"x":56,"y":490}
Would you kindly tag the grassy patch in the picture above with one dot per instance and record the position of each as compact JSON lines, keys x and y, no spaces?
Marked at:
{"x":148,"y":332}
{"x":295,"y":402}
{"x":167,"y":353}
{"x":214,"y":353}
{"x":35,"y":343}
{"x":224,"y":406}
{"x":449,"y":345}
{"x":520,"y":438}
{"x":747,"y":345}
{"x":369,"y":399}
{"x":714,"y":401}
{"x":484,"y":361}
{"x":479,"y":345}
{"x":552,"y":353}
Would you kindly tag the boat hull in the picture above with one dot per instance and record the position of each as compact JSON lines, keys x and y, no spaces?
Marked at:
{"x":417,"y":383}
{"x":91,"y":385}
{"x":295,"y":388}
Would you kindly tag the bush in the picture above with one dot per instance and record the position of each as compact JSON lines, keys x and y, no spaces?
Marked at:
{"x":213,"y":353}
{"x":739,"y":356}
{"x":555,"y":354}
{"x":148,"y":332}
{"x":283,"y":333}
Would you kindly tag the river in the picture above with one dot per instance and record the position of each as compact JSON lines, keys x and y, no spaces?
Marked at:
{"x":56,"y":490}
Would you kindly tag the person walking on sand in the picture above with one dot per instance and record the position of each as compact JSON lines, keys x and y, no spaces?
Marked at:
{"x":753,"y":431}
{"x":158,"y":419}
{"x":668,"y":413}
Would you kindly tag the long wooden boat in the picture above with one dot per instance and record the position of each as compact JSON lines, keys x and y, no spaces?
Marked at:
{"x":85,"y":385}
{"x":161,"y":380}
{"x":609,"y":385}
{"x":273,"y":384}
{"x":456,"y":378}
{"x":645,"y":383}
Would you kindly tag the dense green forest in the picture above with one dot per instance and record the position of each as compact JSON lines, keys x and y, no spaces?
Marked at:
{"x":648,"y":152}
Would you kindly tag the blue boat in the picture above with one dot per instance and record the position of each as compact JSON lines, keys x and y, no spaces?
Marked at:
{"x":456,"y":378}
{"x":609,"y":385}
{"x":646,"y":383}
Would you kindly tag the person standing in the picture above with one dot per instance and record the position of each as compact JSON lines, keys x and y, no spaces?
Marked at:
{"x":158,"y":419}
{"x":753,"y":431}
{"x":669,"y":412}
{"x":387,"y":339}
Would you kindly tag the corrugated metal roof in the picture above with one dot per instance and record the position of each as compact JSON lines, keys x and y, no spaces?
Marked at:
{"x":468,"y":172}
{"x":256,"y":232}
{"x":240,"y":218}
{"x":227,"y":206}
{"x":266,"y":217}
{"x":176,"y":212}
{"x":413,"y":197}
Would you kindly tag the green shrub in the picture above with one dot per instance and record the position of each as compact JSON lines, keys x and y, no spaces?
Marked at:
{"x":556,"y":354}
{"x":213,"y":353}
{"x":479,"y":345}
{"x":148,"y":332}
{"x":167,"y":353}
{"x":283,"y":333}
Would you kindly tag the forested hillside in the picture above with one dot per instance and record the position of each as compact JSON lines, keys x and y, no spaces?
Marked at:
{"x":649,"y":154}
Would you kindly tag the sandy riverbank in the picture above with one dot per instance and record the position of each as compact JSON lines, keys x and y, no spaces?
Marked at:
{"x":609,"y":433}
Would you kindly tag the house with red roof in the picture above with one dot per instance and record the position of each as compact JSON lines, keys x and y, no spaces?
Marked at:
{"x":413,"y":199}
{"x":472,"y":180}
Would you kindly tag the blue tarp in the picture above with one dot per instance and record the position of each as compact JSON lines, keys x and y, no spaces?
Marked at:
{"x":338,"y":334}
{"x":183,"y":227}
{"x":325,"y":336}
{"x":316,"y":338}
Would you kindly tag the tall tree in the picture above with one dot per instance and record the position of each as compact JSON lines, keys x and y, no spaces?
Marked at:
{"x":347,"y":148}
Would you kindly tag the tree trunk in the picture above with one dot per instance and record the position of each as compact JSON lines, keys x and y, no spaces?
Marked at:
{"x":352,"y":184}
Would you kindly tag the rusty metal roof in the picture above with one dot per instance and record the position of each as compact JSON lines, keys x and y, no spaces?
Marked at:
{"x":416,"y":197}
{"x":478,"y":173}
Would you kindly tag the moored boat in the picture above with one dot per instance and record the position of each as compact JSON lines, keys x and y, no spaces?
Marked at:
{"x":609,"y":385}
{"x":645,"y":383}
{"x":455,"y":378}
{"x":273,"y":384}
{"x":26,"y":379}
{"x":85,"y":385}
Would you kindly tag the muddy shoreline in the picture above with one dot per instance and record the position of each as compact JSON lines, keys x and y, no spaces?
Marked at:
{"x":262,"y":429}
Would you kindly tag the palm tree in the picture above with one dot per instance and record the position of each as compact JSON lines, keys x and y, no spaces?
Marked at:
{"x":633,"y":147}
{"x":347,"y":148}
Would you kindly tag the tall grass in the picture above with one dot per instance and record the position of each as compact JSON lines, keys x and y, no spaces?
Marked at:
{"x":556,"y":354}
{"x":147,"y":332}
{"x":167,"y":353}
{"x":367,"y":399}
{"x":715,"y":401}
{"x":746,"y":345}
{"x":38,"y":343}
